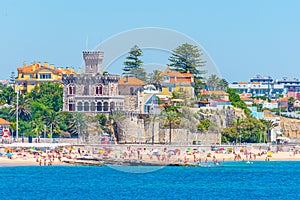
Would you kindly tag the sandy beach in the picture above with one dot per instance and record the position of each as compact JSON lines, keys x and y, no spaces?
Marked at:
{"x":159,"y":156}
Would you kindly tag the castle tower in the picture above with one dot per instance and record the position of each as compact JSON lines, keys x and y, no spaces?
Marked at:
{"x":93,"y":61}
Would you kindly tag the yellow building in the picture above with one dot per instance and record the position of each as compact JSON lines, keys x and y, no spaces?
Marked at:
{"x":174,"y":81}
{"x":34,"y":74}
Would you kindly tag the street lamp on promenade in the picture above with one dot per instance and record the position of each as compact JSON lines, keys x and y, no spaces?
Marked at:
{"x":17,"y":117}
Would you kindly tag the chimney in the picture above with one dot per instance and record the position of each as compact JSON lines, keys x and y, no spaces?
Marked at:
{"x":46,"y":64}
{"x":126,"y":81}
{"x":24,"y":64}
{"x":51,"y":66}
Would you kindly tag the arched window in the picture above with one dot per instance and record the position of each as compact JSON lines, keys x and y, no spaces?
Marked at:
{"x":131,"y":91}
{"x":71,"y":105}
{"x":93,"y":106}
{"x":71,"y":89}
{"x":112,"y":105}
{"x":105,"y":106}
{"x":86,"y":106}
{"x":79,"y":106}
{"x":99,"y":90}
{"x":99,"y":106}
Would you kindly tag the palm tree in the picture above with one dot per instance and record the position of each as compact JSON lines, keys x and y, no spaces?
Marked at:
{"x":170,"y":117}
{"x":153,"y":118}
{"x":37,"y":127}
{"x":223,"y":84}
{"x":53,"y":120}
{"x":237,"y":123}
{"x":114,"y":122}
{"x":23,"y":110}
{"x":156,"y":79}
{"x":212,"y":82}
{"x":77,"y":123}
{"x":269,"y":126}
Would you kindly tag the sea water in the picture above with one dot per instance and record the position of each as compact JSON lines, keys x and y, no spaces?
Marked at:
{"x":230,"y":180}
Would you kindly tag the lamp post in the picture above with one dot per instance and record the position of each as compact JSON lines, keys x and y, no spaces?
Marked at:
{"x":17,"y":117}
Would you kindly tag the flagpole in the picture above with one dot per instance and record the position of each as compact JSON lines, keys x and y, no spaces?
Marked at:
{"x":17,"y":117}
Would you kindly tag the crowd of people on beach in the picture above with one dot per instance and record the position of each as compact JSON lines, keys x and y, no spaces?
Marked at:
{"x":148,"y":154}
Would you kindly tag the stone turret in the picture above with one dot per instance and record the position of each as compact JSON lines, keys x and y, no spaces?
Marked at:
{"x":93,"y":61}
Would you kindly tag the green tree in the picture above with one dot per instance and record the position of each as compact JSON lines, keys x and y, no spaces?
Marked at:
{"x":102,"y":122}
{"x":237,"y":123}
{"x":7,"y":94}
{"x":223,"y":84}
{"x":153,"y":118}
{"x":170,"y":117}
{"x":23,"y":110}
{"x":213,"y":82}
{"x":204,"y":125}
{"x":37,"y":127}
{"x":52,"y":120}
{"x":236,"y":101}
{"x":269,"y":124}
{"x":133,"y":64}
{"x":48,"y":94}
{"x":114,"y":123}
{"x":156,"y":79}
{"x":187,"y":58}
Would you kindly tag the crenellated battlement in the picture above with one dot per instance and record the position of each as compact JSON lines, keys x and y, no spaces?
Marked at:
{"x":93,"y":61}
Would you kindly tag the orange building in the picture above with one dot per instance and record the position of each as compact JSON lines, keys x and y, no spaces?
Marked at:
{"x":174,"y":81}
{"x":32,"y":75}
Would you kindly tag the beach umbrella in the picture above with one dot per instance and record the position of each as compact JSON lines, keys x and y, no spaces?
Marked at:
{"x":195,"y":149}
{"x":8,"y":154}
{"x":170,"y":151}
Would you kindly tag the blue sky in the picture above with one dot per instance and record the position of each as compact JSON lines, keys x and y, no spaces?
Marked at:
{"x":243,"y":38}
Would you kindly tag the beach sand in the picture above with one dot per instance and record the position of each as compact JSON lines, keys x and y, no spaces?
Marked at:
{"x":184,"y":157}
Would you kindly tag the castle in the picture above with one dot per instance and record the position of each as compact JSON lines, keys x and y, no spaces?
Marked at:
{"x":92,"y":91}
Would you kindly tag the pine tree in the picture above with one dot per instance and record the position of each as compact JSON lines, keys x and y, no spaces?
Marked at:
{"x":187,"y":58}
{"x":133,"y":64}
{"x":12,"y":78}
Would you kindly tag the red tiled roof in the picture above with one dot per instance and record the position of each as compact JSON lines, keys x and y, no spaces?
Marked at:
{"x":131,"y":81}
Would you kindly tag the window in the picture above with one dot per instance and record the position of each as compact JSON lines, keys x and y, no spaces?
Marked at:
{"x":181,"y":89}
{"x":105,"y":106}
{"x":32,"y":83}
{"x":45,"y":76}
{"x":170,"y":89}
{"x":86,"y":106}
{"x":30,"y":75}
{"x":99,"y":106}
{"x":166,"y":78}
{"x":99,"y":90}
{"x":71,"y":90}
{"x":131,"y":91}
{"x":112,"y":105}
{"x":93,"y":106}
{"x":71,"y":105}
{"x":79,"y":106}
